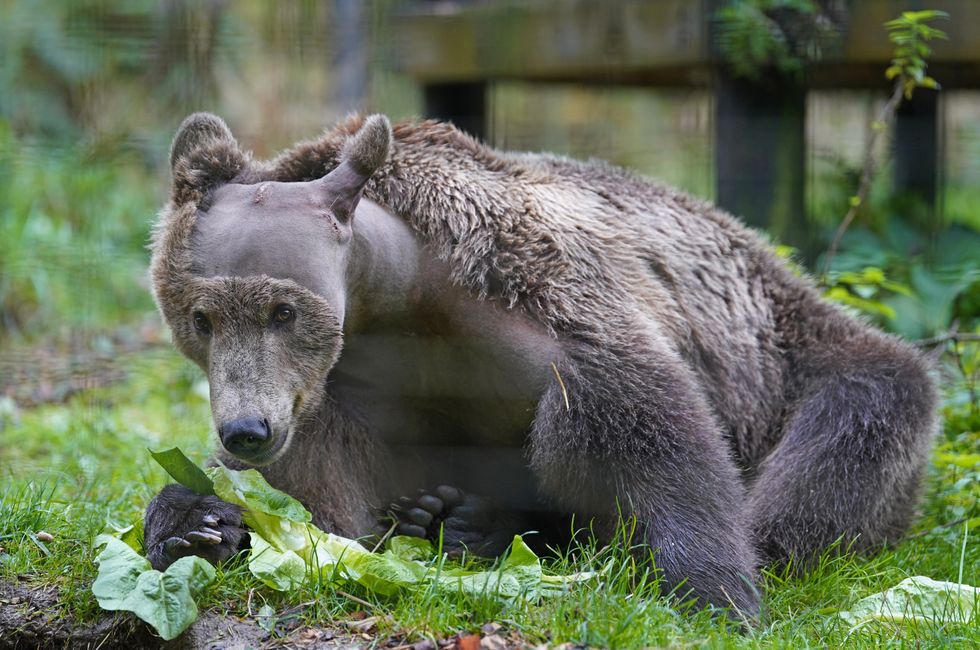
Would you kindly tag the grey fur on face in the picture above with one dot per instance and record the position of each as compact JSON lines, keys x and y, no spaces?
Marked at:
{"x":642,"y":349}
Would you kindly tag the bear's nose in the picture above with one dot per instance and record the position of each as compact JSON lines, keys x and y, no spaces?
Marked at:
{"x":245,"y":437}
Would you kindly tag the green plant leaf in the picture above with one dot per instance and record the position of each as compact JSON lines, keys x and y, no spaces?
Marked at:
{"x":183,"y":470}
{"x":283,"y":570}
{"x":165,"y":600}
{"x":267,"y":619}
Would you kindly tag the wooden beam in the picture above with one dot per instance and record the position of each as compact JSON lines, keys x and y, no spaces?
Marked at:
{"x":665,"y":42}
{"x":549,"y":40}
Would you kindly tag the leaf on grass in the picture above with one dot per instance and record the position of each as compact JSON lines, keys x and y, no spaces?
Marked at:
{"x":119,"y":568}
{"x":165,"y":600}
{"x":266,"y":618}
{"x":182,"y":470}
{"x":282,"y":570}
{"x":133,"y":535}
{"x":917,"y":599}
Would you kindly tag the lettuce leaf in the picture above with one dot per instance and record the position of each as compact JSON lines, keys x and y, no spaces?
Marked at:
{"x":287,"y":549}
{"x":917,"y":599}
{"x":165,"y":600}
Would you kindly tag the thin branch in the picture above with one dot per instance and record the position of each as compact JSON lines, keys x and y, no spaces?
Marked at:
{"x":949,"y":336}
{"x":885,"y":118}
{"x":923,"y":533}
{"x":359,"y":601}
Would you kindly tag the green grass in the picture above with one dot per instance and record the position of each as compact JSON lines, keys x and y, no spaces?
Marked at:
{"x":73,"y":469}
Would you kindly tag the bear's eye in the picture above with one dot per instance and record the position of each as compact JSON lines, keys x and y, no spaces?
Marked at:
{"x":201,"y":323}
{"x":283,"y":314}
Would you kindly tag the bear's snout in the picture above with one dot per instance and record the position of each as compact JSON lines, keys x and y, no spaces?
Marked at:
{"x":247,"y":438}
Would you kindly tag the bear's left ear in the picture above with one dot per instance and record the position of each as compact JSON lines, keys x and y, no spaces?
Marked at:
{"x":196,"y":131}
{"x":363,"y":154}
{"x":204,"y":154}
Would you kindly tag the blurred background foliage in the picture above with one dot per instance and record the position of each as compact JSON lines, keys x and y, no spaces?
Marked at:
{"x":93,"y":89}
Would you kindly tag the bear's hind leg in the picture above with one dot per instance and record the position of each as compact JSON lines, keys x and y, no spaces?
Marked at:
{"x":851,"y":458}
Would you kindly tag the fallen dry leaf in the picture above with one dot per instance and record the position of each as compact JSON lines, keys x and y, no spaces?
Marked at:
{"x":493,"y":642}
{"x":469,"y":642}
{"x":424,"y":644}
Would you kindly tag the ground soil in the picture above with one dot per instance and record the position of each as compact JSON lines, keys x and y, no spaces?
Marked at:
{"x":29,"y":618}
{"x":55,"y":368}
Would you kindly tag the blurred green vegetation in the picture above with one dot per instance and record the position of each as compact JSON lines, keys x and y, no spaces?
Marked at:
{"x":72,"y":232}
{"x":94,"y":89}
{"x":787,"y":35}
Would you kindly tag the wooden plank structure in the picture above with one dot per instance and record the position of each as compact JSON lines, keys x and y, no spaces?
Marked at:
{"x":455,"y":49}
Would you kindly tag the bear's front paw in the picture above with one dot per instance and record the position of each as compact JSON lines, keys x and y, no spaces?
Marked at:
{"x":466,"y":523}
{"x":180,"y":522}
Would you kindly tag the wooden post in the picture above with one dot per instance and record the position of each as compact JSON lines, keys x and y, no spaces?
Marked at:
{"x":463,"y":103}
{"x":760,"y":156}
{"x":916,"y":146}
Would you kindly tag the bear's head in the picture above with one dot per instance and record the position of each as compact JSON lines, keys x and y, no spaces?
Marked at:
{"x":250,"y":277}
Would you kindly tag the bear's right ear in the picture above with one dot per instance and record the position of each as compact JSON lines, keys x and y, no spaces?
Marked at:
{"x":204,"y":154}
{"x":362,"y":155}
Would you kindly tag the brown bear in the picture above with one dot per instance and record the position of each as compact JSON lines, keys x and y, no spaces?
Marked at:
{"x":380,"y":310}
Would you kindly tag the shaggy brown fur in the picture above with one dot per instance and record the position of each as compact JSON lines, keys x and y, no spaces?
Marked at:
{"x":701,"y":385}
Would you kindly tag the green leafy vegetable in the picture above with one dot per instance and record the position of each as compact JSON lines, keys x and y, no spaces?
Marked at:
{"x":164,"y":600}
{"x":249,"y":489}
{"x":283,"y":570}
{"x":917,"y":599}
{"x":182,"y":470}
{"x":286,"y":549}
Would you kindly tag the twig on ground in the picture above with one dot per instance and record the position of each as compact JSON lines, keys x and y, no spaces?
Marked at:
{"x":923,"y":533}
{"x":357,"y":600}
